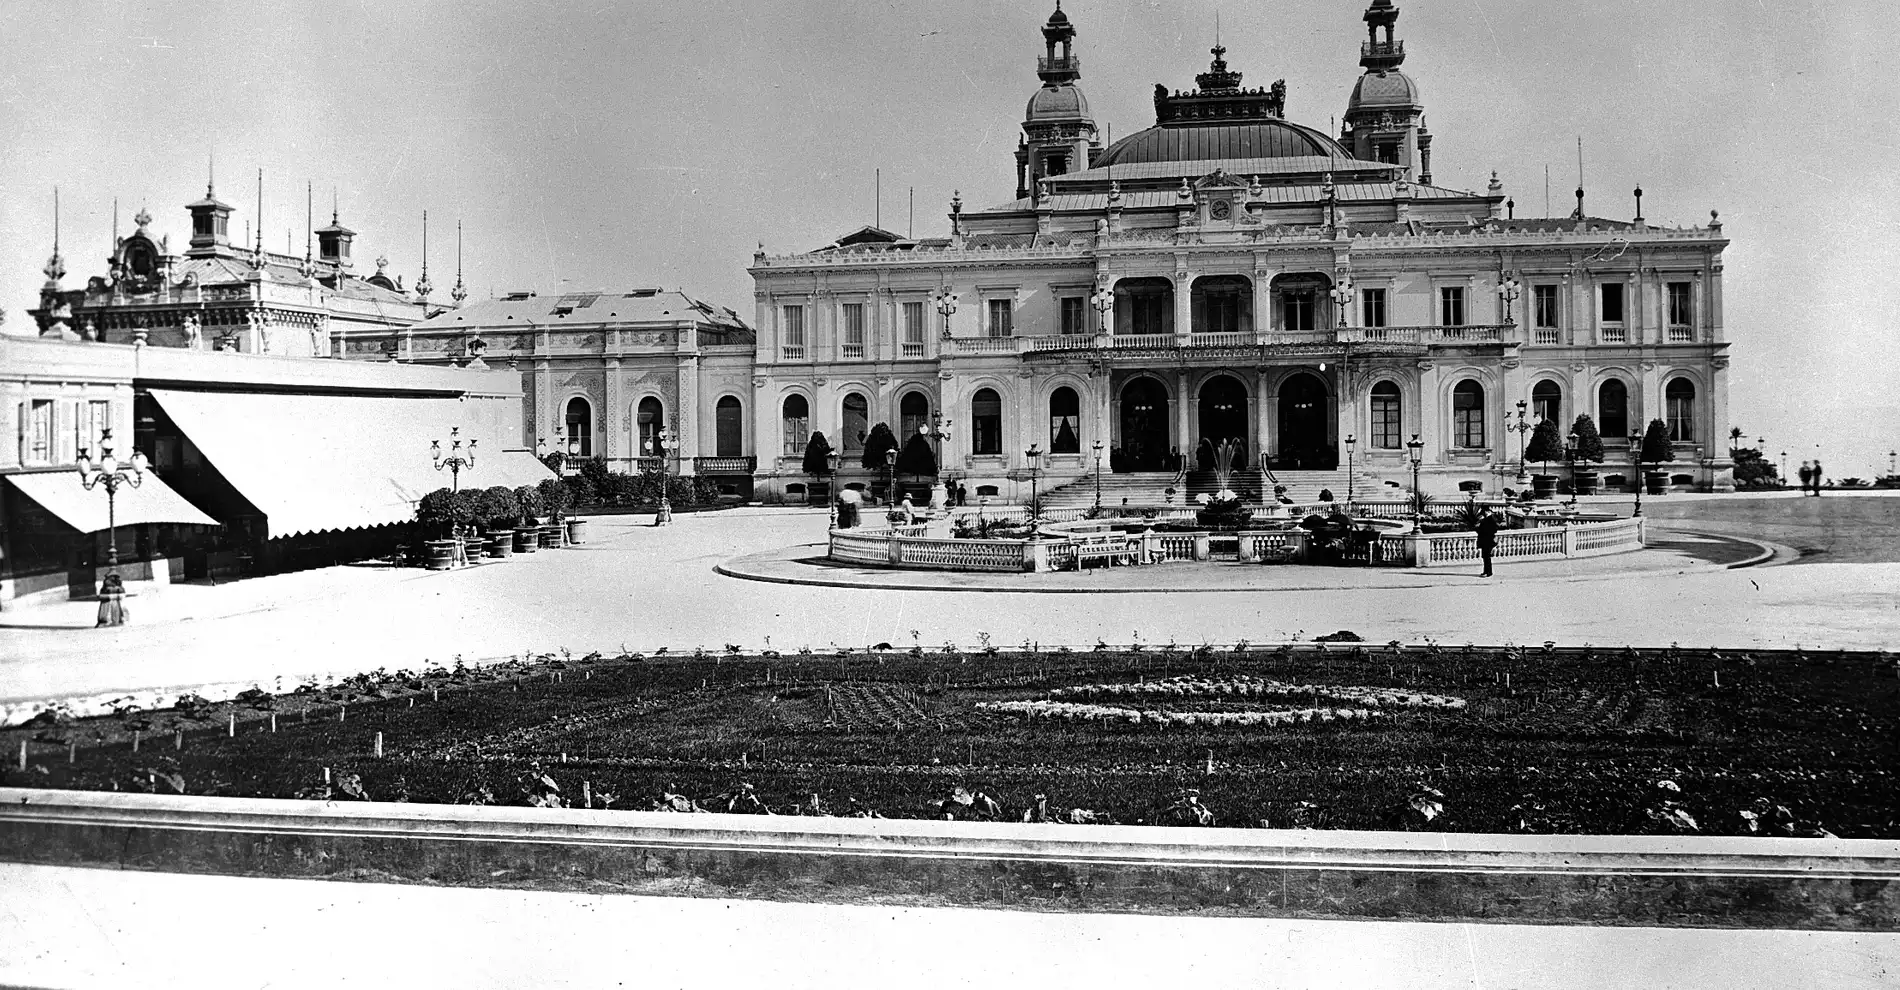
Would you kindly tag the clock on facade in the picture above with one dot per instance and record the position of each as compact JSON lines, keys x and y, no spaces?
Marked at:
{"x":1221,"y":209}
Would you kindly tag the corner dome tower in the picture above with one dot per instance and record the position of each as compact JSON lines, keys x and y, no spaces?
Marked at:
{"x":1385,"y":118}
{"x":1059,"y":136}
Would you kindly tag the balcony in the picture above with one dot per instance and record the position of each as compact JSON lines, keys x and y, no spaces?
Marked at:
{"x":913,"y":349}
{"x":1410,"y":338}
{"x":1045,"y":64}
{"x":1679,"y":334}
{"x":723,"y":465}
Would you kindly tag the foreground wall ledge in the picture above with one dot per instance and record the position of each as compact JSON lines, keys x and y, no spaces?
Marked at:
{"x":1846,"y":884}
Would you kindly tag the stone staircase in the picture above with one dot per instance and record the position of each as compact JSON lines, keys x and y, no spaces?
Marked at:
{"x":1302,"y":486}
{"x":1138,"y":487}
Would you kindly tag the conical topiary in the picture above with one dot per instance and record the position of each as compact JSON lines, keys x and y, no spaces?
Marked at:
{"x":817,"y":455}
{"x":1546,"y":444}
{"x":1656,"y":446}
{"x":880,"y":440}
{"x":1589,"y":441}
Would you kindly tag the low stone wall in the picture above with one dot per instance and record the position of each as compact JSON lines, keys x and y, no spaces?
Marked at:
{"x":1827,"y":884}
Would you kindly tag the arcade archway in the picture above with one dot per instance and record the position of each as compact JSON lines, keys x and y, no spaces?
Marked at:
{"x":1144,"y":438}
{"x":1223,"y":414}
{"x":1303,"y":442}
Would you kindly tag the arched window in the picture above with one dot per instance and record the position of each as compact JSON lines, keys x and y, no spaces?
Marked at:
{"x":913,"y":412}
{"x":651,"y":417}
{"x":1065,"y":422}
{"x":1467,"y":414}
{"x":1387,"y":424}
{"x":797,"y":423}
{"x":1679,"y":396}
{"x":580,"y":428}
{"x":1547,"y":402}
{"x":729,"y":427}
{"x":986,"y":422}
{"x":856,"y":424}
{"x":1613,"y":408}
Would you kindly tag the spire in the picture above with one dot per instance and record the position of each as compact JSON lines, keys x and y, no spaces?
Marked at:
{"x":309,"y":267}
{"x":458,"y":293}
{"x":423,"y":288}
{"x":1064,"y":68}
{"x":55,"y":266}
{"x":1579,"y":215}
{"x":257,"y":257}
{"x":1381,"y":55}
{"x":1217,"y":78}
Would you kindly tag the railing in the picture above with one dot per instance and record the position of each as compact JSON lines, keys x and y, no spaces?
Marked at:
{"x":1370,"y":48}
{"x":644,"y":465}
{"x":852,"y":350}
{"x":1615,"y":334}
{"x":1045,"y":63}
{"x":1544,"y":335}
{"x":913,"y":349}
{"x":791,"y":353}
{"x":1228,"y":339}
{"x":1681,"y":335}
{"x":724,"y":465}
{"x":987,"y":345}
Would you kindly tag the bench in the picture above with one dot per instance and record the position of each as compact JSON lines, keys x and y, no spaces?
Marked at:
{"x":1107,"y":548}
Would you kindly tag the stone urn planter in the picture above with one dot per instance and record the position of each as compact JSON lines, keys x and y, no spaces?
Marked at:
{"x":441,"y":555}
{"x":551,"y":536}
{"x":527,"y":539}
{"x":1657,"y":481}
{"x":1544,"y":485}
{"x":577,"y":531}
{"x":474,"y":548}
{"x":1586,"y":482}
{"x":502,"y":545}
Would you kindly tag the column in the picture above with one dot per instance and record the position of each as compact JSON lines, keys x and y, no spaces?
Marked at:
{"x":686,"y":416}
{"x":1712,"y":305}
{"x":1183,"y":432}
{"x":1432,"y":414}
{"x":1649,"y":318}
{"x":1265,"y":443}
{"x":1579,"y":287}
{"x":1102,"y":391}
{"x":1262,"y":299}
{"x":1183,"y":303}
{"x":1346,"y":410}
{"x":614,"y":418}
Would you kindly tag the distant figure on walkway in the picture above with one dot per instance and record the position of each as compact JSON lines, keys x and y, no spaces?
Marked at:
{"x":908,"y":510}
{"x":1487,"y":538}
{"x":963,"y":493}
{"x":112,"y":600}
{"x":1807,"y":476}
{"x":1818,"y":476}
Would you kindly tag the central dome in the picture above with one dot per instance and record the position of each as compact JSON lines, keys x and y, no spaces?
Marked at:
{"x":1208,"y":141}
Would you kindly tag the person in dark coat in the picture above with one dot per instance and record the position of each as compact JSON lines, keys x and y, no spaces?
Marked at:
{"x":1818,"y":478}
{"x":1807,"y":477}
{"x":1487,"y":538}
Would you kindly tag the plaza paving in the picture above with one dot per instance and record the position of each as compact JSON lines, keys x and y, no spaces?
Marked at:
{"x":80,"y":927}
{"x":638,"y":587}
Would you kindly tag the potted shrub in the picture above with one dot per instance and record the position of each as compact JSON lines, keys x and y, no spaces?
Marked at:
{"x":875,"y":446}
{"x":528,"y":528}
{"x":1545,"y":446}
{"x":1589,"y":451}
{"x":435,"y":516}
{"x":500,"y":510}
{"x":554,"y":512}
{"x":468,"y":512}
{"x":817,"y":465}
{"x":1657,"y":450}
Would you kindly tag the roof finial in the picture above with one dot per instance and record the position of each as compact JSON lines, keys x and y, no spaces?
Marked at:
{"x":458,"y":293}
{"x":1579,"y":214}
{"x":423,"y":288}
{"x":257,"y":260}
{"x":211,"y":171}
{"x":55,"y":266}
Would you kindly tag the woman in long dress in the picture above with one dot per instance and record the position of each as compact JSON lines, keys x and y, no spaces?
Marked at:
{"x":112,"y":600}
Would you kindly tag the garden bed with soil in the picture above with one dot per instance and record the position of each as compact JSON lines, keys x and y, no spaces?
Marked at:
{"x":1341,"y":735}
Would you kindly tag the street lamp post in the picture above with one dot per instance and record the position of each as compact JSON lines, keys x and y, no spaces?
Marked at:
{"x":1342,"y":298}
{"x":109,"y":472}
{"x":1351,"y":442}
{"x":938,"y":431}
{"x":890,"y":478}
{"x":1104,"y":302}
{"x":1521,"y":427}
{"x":1415,"y":449}
{"x":946,"y":304}
{"x":1636,"y":458}
{"x":660,"y":446}
{"x":1034,"y":453}
{"x":456,"y":460}
{"x":1570,"y":454}
{"x":831,"y":494}
{"x":1098,"y":475}
{"x":1784,"y":469}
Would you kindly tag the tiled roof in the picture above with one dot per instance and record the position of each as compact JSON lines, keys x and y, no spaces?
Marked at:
{"x":1243,"y":167}
{"x":637,"y":306}
{"x":1305,"y":193}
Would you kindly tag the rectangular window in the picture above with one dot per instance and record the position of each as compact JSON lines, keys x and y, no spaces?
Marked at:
{"x":1681,"y":313}
{"x":1299,"y":312}
{"x":36,"y":434}
{"x":1544,"y":314}
{"x":1389,"y":153}
{"x":95,"y":417}
{"x":1385,"y":422}
{"x":1002,"y":317}
{"x":913,"y":329}
{"x":1451,"y":306}
{"x":1612,"y":310}
{"x":792,"y":338}
{"x":1372,"y":301}
{"x":1073,"y":319}
{"x":854,"y":330}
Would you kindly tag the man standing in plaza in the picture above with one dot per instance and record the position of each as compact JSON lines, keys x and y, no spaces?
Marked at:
{"x":1817,"y":479}
{"x":1487,"y":538}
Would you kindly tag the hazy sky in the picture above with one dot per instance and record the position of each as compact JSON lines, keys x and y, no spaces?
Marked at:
{"x":610,"y":145}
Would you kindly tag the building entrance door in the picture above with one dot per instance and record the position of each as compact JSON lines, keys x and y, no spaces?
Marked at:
{"x":1303,"y":444}
{"x":1144,"y":441}
{"x":1223,"y":417}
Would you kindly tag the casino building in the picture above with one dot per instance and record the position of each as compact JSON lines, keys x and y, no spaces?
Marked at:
{"x":1230,"y":274}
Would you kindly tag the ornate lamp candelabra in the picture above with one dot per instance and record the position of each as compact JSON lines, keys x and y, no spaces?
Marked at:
{"x":660,"y":446}
{"x":1034,"y":453}
{"x":1570,"y":454}
{"x":1351,"y":442}
{"x":1415,"y":449}
{"x":890,"y":478}
{"x":938,"y":432}
{"x":1342,"y":297}
{"x":1636,"y":458}
{"x":456,"y":460}
{"x":946,"y":302}
{"x":1098,"y":447}
{"x":1521,"y":427}
{"x":110,"y":473}
{"x":1508,"y":290}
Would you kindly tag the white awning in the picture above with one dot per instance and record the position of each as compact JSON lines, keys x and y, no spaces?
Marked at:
{"x":153,"y":501}
{"x":311,"y":463}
